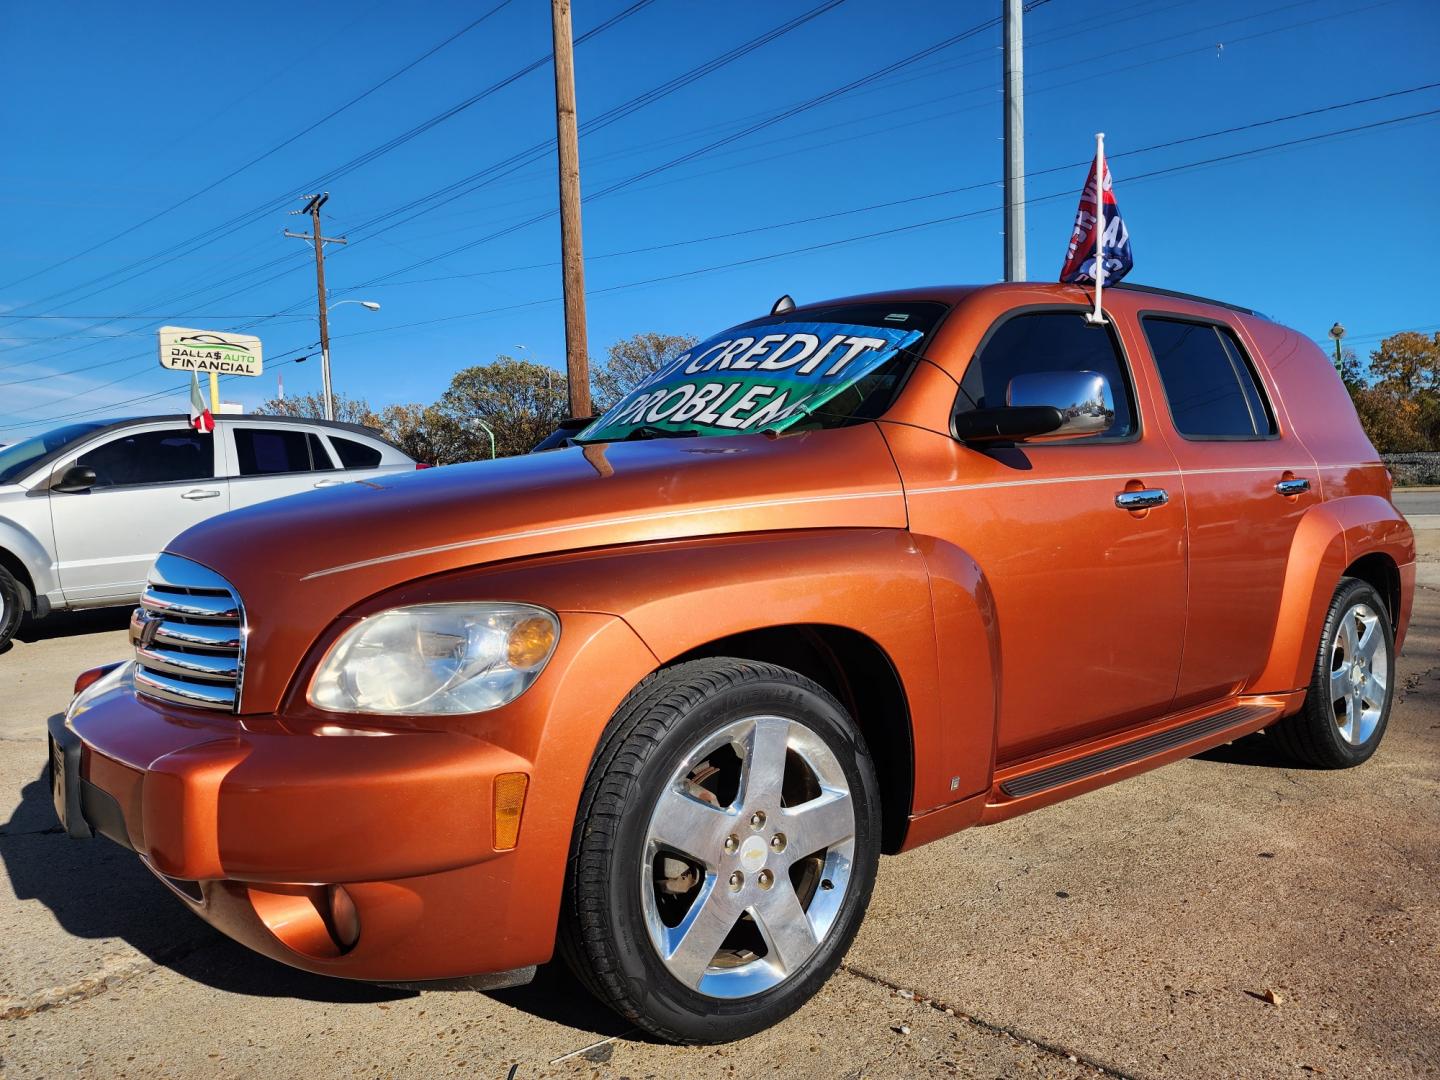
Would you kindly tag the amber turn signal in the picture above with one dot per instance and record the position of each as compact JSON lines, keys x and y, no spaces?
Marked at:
{"x":509,"y":805}
{"x":530,"y":643}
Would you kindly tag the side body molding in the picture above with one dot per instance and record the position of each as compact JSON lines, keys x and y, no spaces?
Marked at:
{"x":1330,"y":537}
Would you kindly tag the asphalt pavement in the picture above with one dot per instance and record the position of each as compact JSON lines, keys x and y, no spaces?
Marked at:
{"x":1230,"y":915}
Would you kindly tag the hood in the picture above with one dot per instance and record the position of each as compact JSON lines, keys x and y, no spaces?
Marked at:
{"x":298,"y":562}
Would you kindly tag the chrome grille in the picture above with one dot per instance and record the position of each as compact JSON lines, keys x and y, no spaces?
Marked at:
{"x":189,"y":637}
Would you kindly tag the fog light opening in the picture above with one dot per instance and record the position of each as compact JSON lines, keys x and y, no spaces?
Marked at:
{"x":509,"y":806}
{"x":344,"y":919}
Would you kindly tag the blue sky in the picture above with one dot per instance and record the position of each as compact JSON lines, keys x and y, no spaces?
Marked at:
{"x":114,"y":113}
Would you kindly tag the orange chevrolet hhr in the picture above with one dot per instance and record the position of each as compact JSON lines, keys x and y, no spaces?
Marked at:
{"x":837,"y":582}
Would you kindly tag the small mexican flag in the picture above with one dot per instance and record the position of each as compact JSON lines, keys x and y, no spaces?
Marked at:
{"x":201,"y":418}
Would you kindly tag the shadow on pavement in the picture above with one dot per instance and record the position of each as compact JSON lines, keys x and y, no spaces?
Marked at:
{"x":97,"y":889}
{"x":1253,"y":749}
{"x":72,"y":623}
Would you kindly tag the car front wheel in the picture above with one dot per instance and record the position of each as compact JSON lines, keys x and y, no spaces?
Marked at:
{"x":725,"y":849}
{"x":12,"y":608}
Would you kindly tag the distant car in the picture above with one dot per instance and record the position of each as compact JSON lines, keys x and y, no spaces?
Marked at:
{"x":563,"y":433}
{"x":85,"y":508}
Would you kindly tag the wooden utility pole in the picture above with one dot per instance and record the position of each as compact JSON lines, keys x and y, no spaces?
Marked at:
{"x":313,"y":209}
{"x":577,"y":356}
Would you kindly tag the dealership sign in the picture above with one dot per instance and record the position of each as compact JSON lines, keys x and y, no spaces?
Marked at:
{"x":209,"y":351}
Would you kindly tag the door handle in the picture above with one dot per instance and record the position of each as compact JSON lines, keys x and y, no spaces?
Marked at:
{"x":201,"y":493}
{"x":329,"y":483}
{"x":1292,"y":487}
{"x":1142,"y":500}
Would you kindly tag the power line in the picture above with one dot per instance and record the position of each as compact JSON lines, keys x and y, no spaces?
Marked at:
{"x":323,"y":180}
{"x":270,"y":152}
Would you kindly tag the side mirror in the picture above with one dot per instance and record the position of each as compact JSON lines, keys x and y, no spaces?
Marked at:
{"x":1042,"y":407}
{"x":77,"y":478}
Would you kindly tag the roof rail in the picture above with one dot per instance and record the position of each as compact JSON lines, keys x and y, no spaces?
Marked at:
{"x":1154,"y":290}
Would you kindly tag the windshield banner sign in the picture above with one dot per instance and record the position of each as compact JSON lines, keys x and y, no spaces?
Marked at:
{"x":762,"y":378}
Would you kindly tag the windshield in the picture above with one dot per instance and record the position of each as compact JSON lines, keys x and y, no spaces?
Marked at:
{"x":821,"y":367}
{"x":17,"y":460}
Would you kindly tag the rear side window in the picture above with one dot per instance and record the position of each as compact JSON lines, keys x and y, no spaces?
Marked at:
{"x":319,"y":457}
{"x":151,"y":457}
{"x":355,"y":455}
{"x":1050,"y":341}
{"x":265,"y":451}
{"x":1209,"y":384}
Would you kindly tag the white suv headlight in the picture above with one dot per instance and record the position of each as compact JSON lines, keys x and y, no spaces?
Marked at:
{"x":436,"y":658}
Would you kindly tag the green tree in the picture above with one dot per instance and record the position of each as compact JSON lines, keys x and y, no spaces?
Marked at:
{"x":419,"y":430}
{"x":630,"y":361}
{"x":350,"y":410}
{"x":520,"y":400}
{"x":1408,"y":363}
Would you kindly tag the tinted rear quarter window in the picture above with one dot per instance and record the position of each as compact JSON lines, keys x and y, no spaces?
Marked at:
{"x":1209,"y":383}
{"x":1049,"y":341}
{"x":355,"y":455}
{"x":151,"y":457}
{"x":265,"y":451}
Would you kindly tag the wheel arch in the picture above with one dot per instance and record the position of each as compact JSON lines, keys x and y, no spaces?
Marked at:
{"x":860,"y":674}
{"x":1364,"y":533}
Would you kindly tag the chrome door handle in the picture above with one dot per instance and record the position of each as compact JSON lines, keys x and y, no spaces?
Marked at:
{"x":1142,"y":500}
{"x":329,"y":483}
{"x":1292,"y":487}
{"x":201,"y":493}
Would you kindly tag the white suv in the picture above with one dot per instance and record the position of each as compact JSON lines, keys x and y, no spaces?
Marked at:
{"x":85,"y":508}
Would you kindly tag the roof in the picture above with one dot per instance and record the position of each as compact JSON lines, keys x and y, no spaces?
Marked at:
{"x":952,"y":294}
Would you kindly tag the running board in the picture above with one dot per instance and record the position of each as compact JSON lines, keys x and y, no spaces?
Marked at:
{"x":1129,"y":753}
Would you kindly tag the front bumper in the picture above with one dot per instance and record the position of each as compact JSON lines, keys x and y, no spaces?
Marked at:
{"x":254,"y":831}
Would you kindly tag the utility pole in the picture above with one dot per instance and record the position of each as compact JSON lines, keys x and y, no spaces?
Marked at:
{"x":1014,"y":14}
{"x":577,"y":356}
{"x":312,"y":207}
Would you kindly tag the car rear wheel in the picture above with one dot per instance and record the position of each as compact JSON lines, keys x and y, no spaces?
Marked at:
{"x":1348,"y":703}
{"x":725,"y":849}
{"x":12,"y":606}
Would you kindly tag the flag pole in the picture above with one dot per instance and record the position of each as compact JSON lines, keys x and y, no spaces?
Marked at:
{"x":1099,"y":315}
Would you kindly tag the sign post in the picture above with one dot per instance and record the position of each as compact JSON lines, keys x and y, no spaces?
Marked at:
{"x":211,"y":352}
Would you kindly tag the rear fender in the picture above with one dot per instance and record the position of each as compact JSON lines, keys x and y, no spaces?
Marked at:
{"x":1329,"y":538}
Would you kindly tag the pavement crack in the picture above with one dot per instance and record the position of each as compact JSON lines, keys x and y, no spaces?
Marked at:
{"x":114,"y":972}
{"x":990,"y":1027}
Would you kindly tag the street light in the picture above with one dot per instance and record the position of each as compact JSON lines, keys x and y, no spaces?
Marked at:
{"x":368,"y":305}
{"x":1337,"y":332}
{"x":488,"y":431}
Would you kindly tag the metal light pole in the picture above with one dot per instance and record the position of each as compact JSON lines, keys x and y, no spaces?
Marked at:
{"x":1337,"y":332}
{"x":488,"y":431}
{"x":1014,"y":13}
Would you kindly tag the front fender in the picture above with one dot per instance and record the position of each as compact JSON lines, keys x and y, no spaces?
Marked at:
{"x":30,"y":550}
{"x":1330,"y":537}
{"x":681,"y":595}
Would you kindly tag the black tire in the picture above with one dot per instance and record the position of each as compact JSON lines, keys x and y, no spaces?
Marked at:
{"x":1313,"y":735}
{"x":12,"y":606}
{"x":603,"y":932}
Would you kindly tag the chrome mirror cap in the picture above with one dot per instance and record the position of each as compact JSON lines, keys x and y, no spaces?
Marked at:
{"x":1082,"y":397}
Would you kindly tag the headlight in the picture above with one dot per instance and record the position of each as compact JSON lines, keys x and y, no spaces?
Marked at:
{"x":436,"y":658}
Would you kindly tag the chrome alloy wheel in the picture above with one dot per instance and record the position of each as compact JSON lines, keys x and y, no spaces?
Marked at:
{"x":747,"y":857}
{"x":1359,"y":673}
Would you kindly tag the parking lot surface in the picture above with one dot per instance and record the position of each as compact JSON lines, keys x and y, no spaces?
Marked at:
{"x":1230,"y":915}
